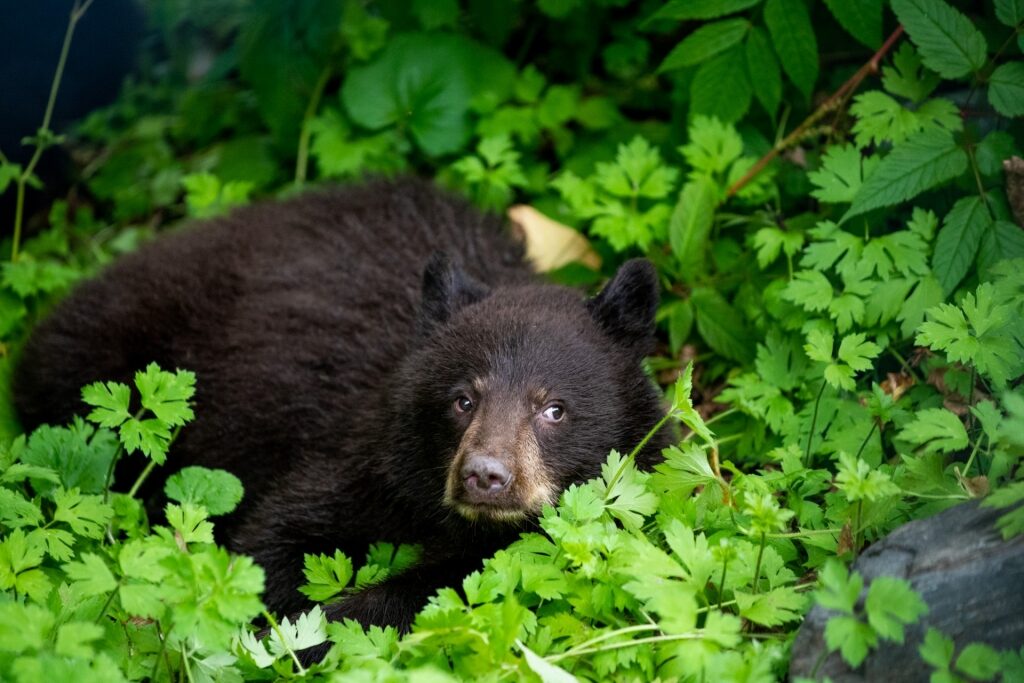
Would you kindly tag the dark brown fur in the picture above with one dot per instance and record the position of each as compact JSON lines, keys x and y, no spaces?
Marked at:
{"x":327,"y":363}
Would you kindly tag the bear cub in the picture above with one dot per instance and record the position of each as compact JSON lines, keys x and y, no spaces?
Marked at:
{"x":375,"y":363}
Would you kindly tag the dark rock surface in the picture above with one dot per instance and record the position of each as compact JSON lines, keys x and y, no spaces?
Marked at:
{"x":972,"y":580}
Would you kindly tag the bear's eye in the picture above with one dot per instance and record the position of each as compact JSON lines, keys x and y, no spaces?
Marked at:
{"x":463,"y":404}
{"x":554,"y":412}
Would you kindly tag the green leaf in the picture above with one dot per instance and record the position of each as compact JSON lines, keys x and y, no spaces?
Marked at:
{"x":682,"y":406}
{"x":859,"y":481}
{"x":713,"y":145}
{"x":167,"y":394}
{"x":628,"y":499}
{"x":892,"y":604}
{"x":706,"y":42}
{"x":685,"y":468}
{"x":1010,"y":12}
{"x":949,"y":43}
{"x":908,"y":77}
{"x":852,"y":637}
{"x":216,"y":490}
{"x":763,"y":67}
{"x":152,"y":437}
{"x":979,"y":661}
{"x":937,"y":649}
{"x":326,"y":576}
{"x":861,"y":19}
{"x":810,"y":289}
{"x":73,"y":639}
{"x":793,"y":36}
{"x":841,"y":174}
{"x":958,"y":241}
{"x":1002,"y":240}
{"x":857,"y":353}
{"x":775,"y":607}
{"x":189,"y":522}
{"x":86,"y":515}
{"x":91,"y":576}
{"x":1006,"y":89}
{"x":701,"y":9}
{"x":936,"y":430}
{"x":721,"y":326}
{"x":923,"y":162}
{"x":691,"y":224}
{"x":721,"y":87}
{"x":545,"y":670}
{"x":110,"y":403}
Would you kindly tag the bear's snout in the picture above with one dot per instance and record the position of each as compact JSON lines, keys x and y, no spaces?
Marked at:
{"x":484,"y":477}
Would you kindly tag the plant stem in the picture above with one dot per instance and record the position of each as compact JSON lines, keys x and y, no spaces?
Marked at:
{"x":906,"y":366}
{"x":721,"y":582}
{"x":77,"y":11}
{"x":142,"y":477}
{"x":757,"y":565}
{"x":974,"y":452}
{"x":864,"y":443}
{"x":632,"y":454}
{"x":856,"y":528}
{"x":284,"y":643}
{"x":844,"y":91}
{"x":110,"y":599}
{"x":302,"y":157}
{"x":161,"y":653}
{"x":814,"y":423}
{"x":576,"y":652}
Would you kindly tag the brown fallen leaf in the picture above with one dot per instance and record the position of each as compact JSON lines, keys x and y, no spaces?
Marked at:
{"x":550,"y":244}
{"x":896,"y":384}
{"x":1014,"y":167}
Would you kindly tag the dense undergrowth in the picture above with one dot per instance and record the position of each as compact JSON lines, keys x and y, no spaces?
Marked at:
{"x":829,"y":193}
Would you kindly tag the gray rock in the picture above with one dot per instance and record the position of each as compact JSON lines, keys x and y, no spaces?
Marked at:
{"x":972,"y":580}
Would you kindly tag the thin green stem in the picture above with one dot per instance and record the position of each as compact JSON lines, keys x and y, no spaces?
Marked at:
{"x":302,"y":156}
{"x":284,"y":643}
{"x":906,"y":366}
{"x":110,"y":599}
{"x":632,"y":454}
{"x":974,"y":452}
{"x":814,"y":423}
{"x":721,"y":582}
{"x":757,"y":565}
{"x":978,"y":182}
{"x":161,"y":653}
{"x":142,"y":478}
{"x":77,"y":11}
{"x":184,"y":663}
{"x":576,"y":652}
{"x":864,"y":443}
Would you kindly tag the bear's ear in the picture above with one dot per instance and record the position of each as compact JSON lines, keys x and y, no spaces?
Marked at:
{"x":625,"y":308}
{"x":446,"y":289}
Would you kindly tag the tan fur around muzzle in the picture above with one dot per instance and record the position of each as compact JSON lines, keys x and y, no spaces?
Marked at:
{"x":506,"y":434}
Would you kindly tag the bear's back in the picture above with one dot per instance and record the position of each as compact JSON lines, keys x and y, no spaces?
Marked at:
{"x":291,"y":314}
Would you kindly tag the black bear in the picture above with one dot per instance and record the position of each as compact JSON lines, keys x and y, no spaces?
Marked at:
{"x":364,"y":385}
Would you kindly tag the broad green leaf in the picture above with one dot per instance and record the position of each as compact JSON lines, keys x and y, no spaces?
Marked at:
{"x":545,"y":670}
{"x":937,"y":649}
{"x":775,"y":607}
{"x":858,"y":353}
{"x":326,"y":576}
{"x":91,"y":575}
{"x":706,"y":42}
{"x":979,"y":661}
{"x":721,"y":87}
{"x":763,"y":67}
{"x":1006,"y":89}
{"x":810,"y":289}
{"x":701,"y":9}
{"x":948,"y":41}
{"x":923,"y":162}
{"x":1010,"y":12}
{"x":216,"y":490}
{"x":839,"y":589}
{"x":862,"y":19}
{"x":1002,"y":240}
{"x":936,"y":430}
{"x":690,"y":226}
{"x":892,"y":604}
{"x":958,"y":241}
{"x":721,"y":326}
{"x":793,"y":36}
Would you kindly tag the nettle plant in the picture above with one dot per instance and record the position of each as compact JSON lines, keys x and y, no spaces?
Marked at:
{"x":843,"y":305}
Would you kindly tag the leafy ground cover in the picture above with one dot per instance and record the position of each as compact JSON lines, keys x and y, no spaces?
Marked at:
{"x":830,"y":195}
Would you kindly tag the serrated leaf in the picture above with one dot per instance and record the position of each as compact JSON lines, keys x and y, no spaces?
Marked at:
{"x":949,"y":43}
{"x":691,"y":224}
{"x":1010,"y":12}
{"x":908,"y":77}
{"x":326,"y":576}
{"x":958,"y":241}
{"x":166,"y":394}
{"x":545,"y":670}
{"x":809,"y":289}
{"x":775,"y":607}
{"x":682,"y":405}
{"x":862,"y":19}
{"x":793,"y":37}
{"x":91,"y":575}
{"x":151,"y":436}
{"x":763,"y":67}
{"x":858,"y":353}
{"x":937,"y":649}
{"x":706,"y":42}
{"x":892,"y":604}
{"x":721,"y":326}
{"x":1002,"y":240}
{"x":841,"y":174}
{"x":923,"y":162}
{"x":110,"y":403}
{"x":1006,"y":89}
{"x":701,"y":9}
{"x":86,"y":515}
{"x":936,"y":430}
{"x":721,"y":87}
{"x":979,"y":661}
{"x":852,"y":637}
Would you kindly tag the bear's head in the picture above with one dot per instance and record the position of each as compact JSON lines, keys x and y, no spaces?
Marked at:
{"x":512,"y":394}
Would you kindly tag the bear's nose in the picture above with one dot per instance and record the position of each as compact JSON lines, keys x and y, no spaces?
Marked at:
{"x":484,"y":475}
